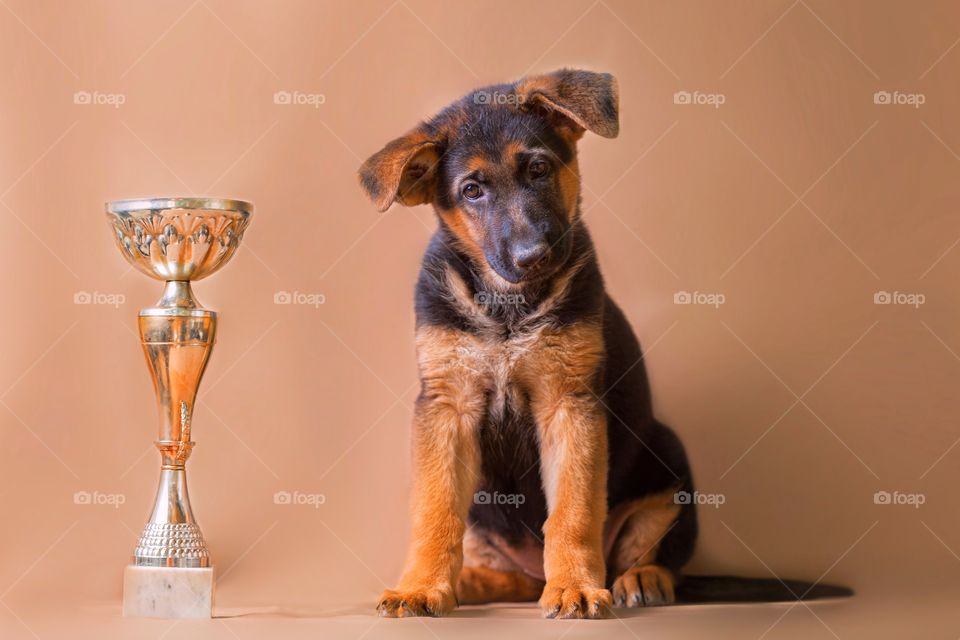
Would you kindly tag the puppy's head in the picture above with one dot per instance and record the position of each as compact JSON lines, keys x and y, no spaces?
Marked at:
{"x":500,"y":168}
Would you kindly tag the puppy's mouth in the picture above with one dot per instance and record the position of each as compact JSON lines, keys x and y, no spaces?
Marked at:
{"x":538,"y":273}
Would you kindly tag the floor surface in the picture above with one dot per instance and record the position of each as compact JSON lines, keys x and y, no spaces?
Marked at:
{"x":858,"y":617}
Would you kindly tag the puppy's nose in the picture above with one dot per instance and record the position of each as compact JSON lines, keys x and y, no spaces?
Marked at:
{"x":529,"y":255}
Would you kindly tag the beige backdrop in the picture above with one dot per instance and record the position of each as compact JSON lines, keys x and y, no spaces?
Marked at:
{"x":781,"y":183}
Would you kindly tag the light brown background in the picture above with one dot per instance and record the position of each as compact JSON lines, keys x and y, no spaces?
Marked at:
{"x":797,"y":199}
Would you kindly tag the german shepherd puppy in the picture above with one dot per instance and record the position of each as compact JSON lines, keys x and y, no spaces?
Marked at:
{"x":539,"y":468}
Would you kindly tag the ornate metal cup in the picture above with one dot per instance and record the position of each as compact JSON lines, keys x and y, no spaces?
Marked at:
{"x":176,"y":240}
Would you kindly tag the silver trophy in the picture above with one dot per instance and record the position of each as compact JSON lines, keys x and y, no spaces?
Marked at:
{"x":176,"y":240}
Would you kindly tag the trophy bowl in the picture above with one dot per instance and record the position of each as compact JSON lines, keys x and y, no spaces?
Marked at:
{"x":178,"y":239}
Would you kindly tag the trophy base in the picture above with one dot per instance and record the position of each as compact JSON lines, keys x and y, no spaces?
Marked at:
{"x":167,"y":592}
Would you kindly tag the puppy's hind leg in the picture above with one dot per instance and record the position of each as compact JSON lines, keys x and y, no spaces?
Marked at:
{"x":641,"y":580}
{"x":490,"y":576}
{"x":478,"y":585}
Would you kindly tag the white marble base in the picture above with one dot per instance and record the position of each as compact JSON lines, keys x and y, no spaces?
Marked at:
{"x":167,"y":592}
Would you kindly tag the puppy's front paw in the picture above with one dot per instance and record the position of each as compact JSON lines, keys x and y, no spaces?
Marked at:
{"x":573,"y":600}
{"x":416,"y":602}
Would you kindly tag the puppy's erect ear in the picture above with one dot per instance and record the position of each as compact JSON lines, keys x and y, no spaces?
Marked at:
{"x":404,"y":171}
{"x":587,"y":99}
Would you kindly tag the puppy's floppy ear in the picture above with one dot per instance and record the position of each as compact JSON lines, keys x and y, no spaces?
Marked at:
{"x":404,"y":171}
{"x":589,"y":100}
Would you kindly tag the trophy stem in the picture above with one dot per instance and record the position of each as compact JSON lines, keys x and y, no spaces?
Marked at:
{"x":172,"y":538}
{"x":177,"y":294}
{"x":177,"y":337}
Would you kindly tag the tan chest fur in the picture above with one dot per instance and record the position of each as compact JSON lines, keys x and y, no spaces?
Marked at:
{"x":542,"y":362}
{"x":464,"y":364}
{"x":490,"y":369}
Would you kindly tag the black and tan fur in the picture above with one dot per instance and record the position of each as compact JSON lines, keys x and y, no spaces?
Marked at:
{"x":532,"y":381}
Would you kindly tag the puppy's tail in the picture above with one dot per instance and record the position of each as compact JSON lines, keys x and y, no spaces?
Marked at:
{"x":703,"y":589}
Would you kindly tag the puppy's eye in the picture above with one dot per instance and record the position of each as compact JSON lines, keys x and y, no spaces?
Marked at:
{"x":471,"y":191}
{"x":538,"y":168}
